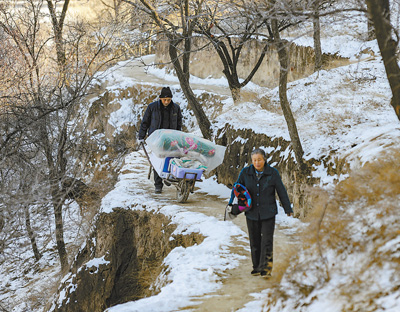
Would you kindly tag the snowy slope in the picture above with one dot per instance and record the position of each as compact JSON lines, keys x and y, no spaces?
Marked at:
{"x":346,"y":110}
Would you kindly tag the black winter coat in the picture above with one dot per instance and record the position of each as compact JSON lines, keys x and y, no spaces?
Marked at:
{"x":262,"y":192}
{"x":152,"y":118}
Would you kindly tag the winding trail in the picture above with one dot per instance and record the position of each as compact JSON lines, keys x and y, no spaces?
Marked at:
{"x":136,"y":69}
{"x":238,"y":286}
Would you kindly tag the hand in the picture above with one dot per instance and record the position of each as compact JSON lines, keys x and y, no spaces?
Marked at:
{"x":140,"y":141}
{"x":290,"y":214}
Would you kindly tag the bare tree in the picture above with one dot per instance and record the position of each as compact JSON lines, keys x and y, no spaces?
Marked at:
{"x":379,"y":13}
{"x":281,"y":46}
{"x":114,"y":7}
{"x":278,"y":16}
{"x":37,"y":111}
{"x":176,"y":24}
{"x":317,"y":35}
{"x":25,"y":190}
{"x":230,"y":26}
{"x":371,"y":30}
{"x":58,"y":21}
{"x":316,"y":7}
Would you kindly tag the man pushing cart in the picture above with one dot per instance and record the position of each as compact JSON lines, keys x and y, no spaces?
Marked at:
{"x":181,"y":158}
{"x":176,"y":157}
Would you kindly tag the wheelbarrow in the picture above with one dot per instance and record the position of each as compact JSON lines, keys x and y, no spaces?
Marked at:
{"x":170,"y":172}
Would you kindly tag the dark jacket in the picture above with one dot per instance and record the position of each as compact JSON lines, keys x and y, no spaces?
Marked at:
{"x":262,"y":192}
{"x":152,"y":118}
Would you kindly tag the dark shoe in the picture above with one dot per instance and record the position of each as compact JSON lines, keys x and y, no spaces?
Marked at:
{"x":167,"y":183}
{"x":265,"y":274}
{"x":158,"y":190}
{"x":267,"y":271}
{"x":255,"y":272}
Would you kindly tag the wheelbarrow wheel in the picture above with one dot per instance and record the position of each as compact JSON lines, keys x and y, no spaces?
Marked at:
{"x":183,"y":190}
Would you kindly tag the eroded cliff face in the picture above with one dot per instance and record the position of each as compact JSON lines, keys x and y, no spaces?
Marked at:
{"x":118,"y":138}
{"x":121,"y":259}
{"x":206,"y":63}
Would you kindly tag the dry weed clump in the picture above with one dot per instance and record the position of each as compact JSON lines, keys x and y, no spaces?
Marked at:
{"x":350,"y":253}
{"x":281,"y":266}
{"x":375,"y":181}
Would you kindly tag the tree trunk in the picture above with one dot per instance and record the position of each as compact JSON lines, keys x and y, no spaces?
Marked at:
{"x":236,"y":93}
{"x":194,"y":105}
{"x":379,"y":13}
{"x":31,"y":234}
{"x":317,"y":41}
{"x":57,"y":206}
{"x":230,"y":64}
{"x":56,"y":196}
{"x":182,"y":70}
{"x":230,"y":67}
{"x":58,"y":26}
{"x":287,"y":112}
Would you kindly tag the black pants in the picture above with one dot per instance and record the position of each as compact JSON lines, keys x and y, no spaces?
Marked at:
{"x":158,"y":183}
{"x":261,"y":235}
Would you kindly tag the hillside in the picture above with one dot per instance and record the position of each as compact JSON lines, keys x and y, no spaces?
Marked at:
{"x":343,"y":112}
{"x":343,"y":257}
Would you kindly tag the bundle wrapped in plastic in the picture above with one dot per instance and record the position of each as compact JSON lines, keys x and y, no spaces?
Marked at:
{"x":185,"y":162}
{"x":174,"y":143}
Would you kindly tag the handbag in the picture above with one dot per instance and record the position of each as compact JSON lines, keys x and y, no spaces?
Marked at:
{"x":243,"y":198}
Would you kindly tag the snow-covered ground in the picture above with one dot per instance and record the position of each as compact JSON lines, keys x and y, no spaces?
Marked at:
{"x":194,"y":271}
{"x":346,"y":110}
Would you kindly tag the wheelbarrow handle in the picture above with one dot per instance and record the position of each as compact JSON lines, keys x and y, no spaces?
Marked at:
{"x":148,"y":158}
{"x":145,"y":151}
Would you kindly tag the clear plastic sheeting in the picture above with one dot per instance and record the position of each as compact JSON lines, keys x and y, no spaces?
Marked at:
{"x":185,"y":162}
{"x":174,"y":143}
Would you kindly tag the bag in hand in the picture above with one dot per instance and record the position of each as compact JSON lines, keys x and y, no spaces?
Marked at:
{"x":243,"y":199}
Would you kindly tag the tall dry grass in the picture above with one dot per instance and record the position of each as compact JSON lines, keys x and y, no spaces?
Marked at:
{"x":350,"y":252}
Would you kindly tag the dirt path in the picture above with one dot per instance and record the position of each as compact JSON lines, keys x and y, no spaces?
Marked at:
{"x":237,"y":284}
{"x":137,"y":69}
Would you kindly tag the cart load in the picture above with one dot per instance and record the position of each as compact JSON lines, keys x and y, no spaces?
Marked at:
{"x":181,"y":158}
{"x":173,"y":143}
{"x":171,"y":168}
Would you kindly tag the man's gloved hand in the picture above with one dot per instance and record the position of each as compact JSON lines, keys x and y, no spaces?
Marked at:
{"x":140,"y":141}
